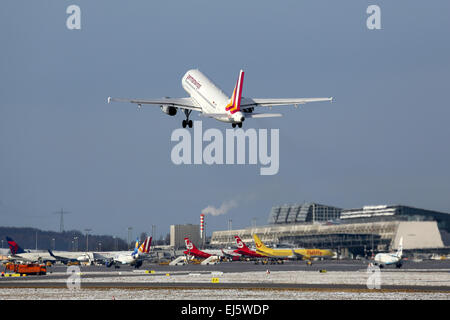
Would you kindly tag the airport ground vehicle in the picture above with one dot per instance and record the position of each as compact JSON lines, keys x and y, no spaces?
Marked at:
{"x":28,"y":269}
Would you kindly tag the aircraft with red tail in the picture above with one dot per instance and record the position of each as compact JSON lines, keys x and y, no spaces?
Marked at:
{"x":208,"y":99}
{"x":246,"y":251}
{"x":192,"y":250}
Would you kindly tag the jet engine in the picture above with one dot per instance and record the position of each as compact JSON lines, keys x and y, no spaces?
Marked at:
{"x":170,"y":110}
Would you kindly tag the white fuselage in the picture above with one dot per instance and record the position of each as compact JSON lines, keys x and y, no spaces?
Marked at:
{"x":387,"y":258}
{"x":32,"y":256}
{"x":209,"y":97}
{"x":126,"y":259}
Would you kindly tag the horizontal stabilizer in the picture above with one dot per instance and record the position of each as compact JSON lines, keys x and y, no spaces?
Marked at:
{"x":213,"y":115}
{"x":263,"y":115}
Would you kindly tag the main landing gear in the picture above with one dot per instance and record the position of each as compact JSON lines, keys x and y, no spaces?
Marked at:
{"x":234,"y":125}
{"x":187,"y":122}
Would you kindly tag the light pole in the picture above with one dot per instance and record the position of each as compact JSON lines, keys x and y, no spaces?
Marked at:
{"x":229,"y":230}
{"x":76,"y":243}
{"x":115,"y":243}
{"x":129,"y":236}
{"x":53,"y":240}
{"x":87,"y":238}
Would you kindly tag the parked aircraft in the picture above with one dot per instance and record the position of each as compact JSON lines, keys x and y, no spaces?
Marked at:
{"x":19,"y":254}
{"x":290,"y":253}
{"x":246,"y":251}
{"x":192,"y":250}
{"x":134,"y":258}
{"x":382,"y":259}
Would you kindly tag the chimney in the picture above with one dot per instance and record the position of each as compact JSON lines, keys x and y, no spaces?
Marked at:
{"x":202,"y":229}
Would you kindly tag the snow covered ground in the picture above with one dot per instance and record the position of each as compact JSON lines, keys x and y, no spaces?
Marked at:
{"x":210,"y":294}
{"x":387,"y":277}
{"x":391,"y":277}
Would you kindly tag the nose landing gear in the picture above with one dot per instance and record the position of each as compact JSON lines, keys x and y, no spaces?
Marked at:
{"x":238,"y":124}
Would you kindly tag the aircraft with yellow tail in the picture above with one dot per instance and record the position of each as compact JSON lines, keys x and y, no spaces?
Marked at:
{"x":294,"y":253}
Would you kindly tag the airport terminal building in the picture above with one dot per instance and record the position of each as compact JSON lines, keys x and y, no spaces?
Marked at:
{"x":358,"y":231}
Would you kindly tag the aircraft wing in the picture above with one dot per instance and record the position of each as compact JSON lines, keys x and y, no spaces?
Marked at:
{"x":266,"y":254}
{"x":184,"y":103}
{"x":98,"y":256}
{"x":296,"y":255}
{"x":256,"y":102}
{"x":60,"y":258}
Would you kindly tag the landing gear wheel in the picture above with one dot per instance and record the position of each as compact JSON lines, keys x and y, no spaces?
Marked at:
{"x":240,"y":124}
{"x":187,"y":122}
{"x":233,"y":125}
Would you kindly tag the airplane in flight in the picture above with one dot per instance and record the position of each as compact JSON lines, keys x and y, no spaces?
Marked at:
{"x":290,"y":253}
{"x":382,"y":259}
{"x":208,"y":99}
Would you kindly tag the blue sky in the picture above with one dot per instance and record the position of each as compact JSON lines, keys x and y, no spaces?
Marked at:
{"x":384,"y":140}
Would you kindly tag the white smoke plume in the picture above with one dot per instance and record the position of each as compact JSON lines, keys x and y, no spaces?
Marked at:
{"x":224,"y":208}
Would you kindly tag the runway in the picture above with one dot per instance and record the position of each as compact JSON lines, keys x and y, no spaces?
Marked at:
{"x":428,"y":279}
{"x":238,"y":285}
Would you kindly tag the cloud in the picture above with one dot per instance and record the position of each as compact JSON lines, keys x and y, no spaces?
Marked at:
{"x":223,"y":209}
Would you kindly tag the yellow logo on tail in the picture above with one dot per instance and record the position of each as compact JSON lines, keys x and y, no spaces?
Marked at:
{"x":258,"y":242}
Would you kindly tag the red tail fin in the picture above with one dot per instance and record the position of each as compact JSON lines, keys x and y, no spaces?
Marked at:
{"x":240,"y":244}
{"x":235,"y":101}
{"x":145,"y":247}
{"x":189,"y":244}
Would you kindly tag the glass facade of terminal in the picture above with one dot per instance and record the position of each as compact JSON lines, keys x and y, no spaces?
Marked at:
{"x":395,"y":212}
{"x":301,"y":213}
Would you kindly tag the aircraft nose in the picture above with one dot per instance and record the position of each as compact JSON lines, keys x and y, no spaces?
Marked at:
{"x":242,"y":119}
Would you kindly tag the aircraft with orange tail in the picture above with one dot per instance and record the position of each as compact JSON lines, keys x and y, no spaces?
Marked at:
{"x":208,"y":99}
